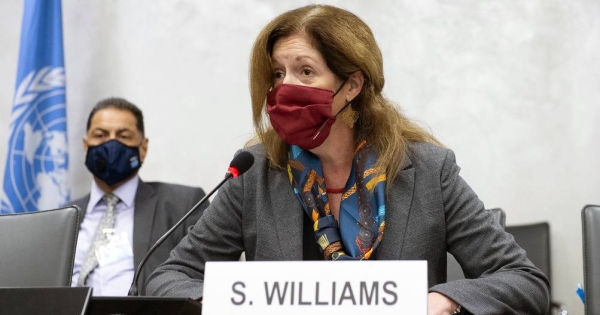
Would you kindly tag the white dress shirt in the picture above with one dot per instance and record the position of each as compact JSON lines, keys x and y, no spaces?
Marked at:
{"x":114,"y":277}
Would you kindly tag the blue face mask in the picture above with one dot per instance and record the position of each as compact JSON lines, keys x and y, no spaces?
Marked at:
{"x":112,"y":161}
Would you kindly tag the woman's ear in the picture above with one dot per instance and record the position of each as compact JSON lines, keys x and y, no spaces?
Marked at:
{"x":356,"y":82}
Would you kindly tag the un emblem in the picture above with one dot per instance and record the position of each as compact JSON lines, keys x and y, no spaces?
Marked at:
{"x":37,"y":161}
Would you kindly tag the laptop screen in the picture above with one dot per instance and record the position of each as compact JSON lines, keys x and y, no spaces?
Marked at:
{"x":58,"y":300}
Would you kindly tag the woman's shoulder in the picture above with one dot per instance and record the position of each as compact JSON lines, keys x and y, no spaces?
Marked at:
{"x":261,"y":162}
{"x":427,"y":154}
{"x":258,"y":150}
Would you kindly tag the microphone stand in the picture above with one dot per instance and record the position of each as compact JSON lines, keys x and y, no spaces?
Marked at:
{"x":133,"y":290}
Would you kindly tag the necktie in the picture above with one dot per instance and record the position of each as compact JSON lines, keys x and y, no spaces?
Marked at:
{"x":106,"y":222}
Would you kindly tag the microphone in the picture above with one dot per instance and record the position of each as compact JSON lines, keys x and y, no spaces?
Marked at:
{"x":241,"y":162}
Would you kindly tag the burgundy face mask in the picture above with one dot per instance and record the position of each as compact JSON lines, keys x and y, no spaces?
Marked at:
{"x":301,"y":115}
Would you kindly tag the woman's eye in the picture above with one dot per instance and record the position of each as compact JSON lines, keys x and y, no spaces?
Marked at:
{"x":307,"y":71}
{"x":278,"y":75}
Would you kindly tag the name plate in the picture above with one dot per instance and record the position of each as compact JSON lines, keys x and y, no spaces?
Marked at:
{"x":315,"y":287}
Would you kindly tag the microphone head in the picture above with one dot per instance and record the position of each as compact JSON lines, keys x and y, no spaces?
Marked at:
{"x":241,"y":163}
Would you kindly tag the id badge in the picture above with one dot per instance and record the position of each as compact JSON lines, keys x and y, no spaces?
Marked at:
{"x":115,"y":249}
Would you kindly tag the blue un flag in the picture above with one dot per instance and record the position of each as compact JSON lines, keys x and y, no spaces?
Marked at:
{"x":35,"y":176}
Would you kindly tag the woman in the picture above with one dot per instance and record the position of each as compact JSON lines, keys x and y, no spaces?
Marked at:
{"x":334,"y":150}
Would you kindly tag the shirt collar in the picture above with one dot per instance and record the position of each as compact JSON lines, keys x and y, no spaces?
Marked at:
{"x":125,"y":192}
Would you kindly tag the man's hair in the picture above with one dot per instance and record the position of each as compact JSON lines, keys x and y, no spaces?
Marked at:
{"x":122,"y":104}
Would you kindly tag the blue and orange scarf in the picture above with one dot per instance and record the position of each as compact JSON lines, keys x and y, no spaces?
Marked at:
{"x":362,"y":209}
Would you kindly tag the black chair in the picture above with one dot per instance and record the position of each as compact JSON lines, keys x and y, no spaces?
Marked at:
{"x":535,"y":240}
{"x":454,"y":271}
{"x":590,"y":216}
{"x":37,"y":249}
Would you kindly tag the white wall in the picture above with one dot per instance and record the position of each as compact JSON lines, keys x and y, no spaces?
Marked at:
{"x":511,"y":86}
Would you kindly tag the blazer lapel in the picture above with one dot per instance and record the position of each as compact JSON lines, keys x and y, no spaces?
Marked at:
{"x":398,"y":204}
{"x":82,"y":204}
{"x":143,"y":219}
{"x":288,"y":216}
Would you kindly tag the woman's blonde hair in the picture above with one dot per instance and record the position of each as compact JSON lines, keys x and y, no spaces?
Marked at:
{"x":348,"y":46}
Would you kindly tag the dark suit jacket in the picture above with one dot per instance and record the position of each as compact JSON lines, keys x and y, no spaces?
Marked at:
{"x":158,"y":206}
{"x":429,"y":210}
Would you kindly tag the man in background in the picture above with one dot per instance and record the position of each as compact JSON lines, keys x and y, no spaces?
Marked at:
{"x":124,"y":216}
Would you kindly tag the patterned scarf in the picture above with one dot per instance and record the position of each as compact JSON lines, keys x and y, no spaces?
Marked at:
{"x":361,"y":228}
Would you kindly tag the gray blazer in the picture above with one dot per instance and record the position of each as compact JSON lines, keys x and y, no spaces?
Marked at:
{"x":158,"y":206}
{"x":430,"y":210}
